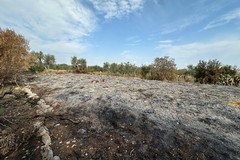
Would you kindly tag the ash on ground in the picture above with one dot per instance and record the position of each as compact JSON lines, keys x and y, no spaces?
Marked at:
{"x":103,"y":117}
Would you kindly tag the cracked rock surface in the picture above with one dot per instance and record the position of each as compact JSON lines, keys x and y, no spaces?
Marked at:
{"x":102,"y":117}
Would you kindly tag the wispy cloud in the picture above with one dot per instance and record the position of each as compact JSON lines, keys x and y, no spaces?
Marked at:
{"x":186,"y":14}
{"x":56,"y":26}
{"x":133,"y":41}
{"x":227,"y":51}
{"x":182,"y":24}
{"x":164,"y":44}
{"x":117,"y":8}
{"x":224,"y":19}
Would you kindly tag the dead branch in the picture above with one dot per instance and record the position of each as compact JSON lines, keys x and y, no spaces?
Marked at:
{"x":7,"y":120}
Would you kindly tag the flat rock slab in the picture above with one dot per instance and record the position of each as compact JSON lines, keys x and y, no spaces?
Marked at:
{"x":103,"y":117}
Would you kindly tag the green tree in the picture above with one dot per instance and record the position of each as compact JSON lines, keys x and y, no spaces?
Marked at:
{"x":106,"y":66}
{"x":191,"y":70}
{"x":49,"y":60}
{"x":82,"y":63}
{"x":37,"y":65}
{"x":74,"y":61}
{"x":39,"y":56}
{"x":113,"y":68}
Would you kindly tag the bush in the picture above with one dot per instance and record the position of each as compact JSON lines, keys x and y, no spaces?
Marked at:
{"x":145,"y":71}
{"x":228,"y":70}
{"x":14,"y":55}
{"x":208,"y":72}
{"x":212,"y":72}
{"x":36,"y":68}
{"x":163,"y":69}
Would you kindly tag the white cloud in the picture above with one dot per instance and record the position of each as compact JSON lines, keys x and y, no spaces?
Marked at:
{"x":227,"y":51}
{"x":230,"y":16}
{"x":165,"y":41}
{"x":52,"y":26}
{"x":117,"y":8}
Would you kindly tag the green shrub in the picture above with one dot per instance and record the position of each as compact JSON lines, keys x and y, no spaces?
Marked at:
{"x":212,"y":72}
{"x":36,"y":68}
{"x":145,"y":70}
{"x":208,"y":72}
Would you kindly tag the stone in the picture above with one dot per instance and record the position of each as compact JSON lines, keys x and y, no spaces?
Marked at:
{"x":46,"y":139}
{"x":46,"y":152}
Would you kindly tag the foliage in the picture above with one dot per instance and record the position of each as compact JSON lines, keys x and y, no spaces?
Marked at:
{"x":42,"y":62}
{"x":95,"y":68}
{"x":212,"y":72}
{"x":191,"y":70}
{"x":228,"y":80}
{"x":181,"y":72}
{"x":83,"y":63}
{"x":113,"y":68}
{"x":49,"y":61}
{"x":14,"y":55}
{"x":62,"y":67}
{"x":78,"y":64}
{"x":106,"y":66}
{"x":163,"y":69}
{"x":125,"y":69}
{"x":145,"y":71}
{"x":39,"y":57}
{"x":74,"y":61}
{"x":36,"y":68}
{"x":232,"y":71}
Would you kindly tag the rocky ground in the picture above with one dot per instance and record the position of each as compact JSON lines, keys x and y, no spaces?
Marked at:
{"x":102,"y":117}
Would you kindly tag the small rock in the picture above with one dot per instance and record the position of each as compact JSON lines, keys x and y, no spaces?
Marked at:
{"x":42,"y":130}
{"x":57,"y":125}
{"x":46,"y":152}
{"x":68,"y":142}
{"x":46,"y":139}
{"x":56,"y":158}
{"x":37,"y":124}
{"x":82,"y":131}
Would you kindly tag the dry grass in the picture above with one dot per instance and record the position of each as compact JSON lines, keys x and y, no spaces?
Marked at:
{"x":234,"y":103}
{"x":56,"y":71}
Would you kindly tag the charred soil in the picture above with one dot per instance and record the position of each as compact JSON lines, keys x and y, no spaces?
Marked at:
{"x":101,"y":117}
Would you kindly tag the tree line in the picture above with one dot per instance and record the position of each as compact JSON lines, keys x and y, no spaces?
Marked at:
{"x":15,"y":57}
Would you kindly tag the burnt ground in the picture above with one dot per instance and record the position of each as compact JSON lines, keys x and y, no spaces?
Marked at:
{"x":18,"y":140}
{"x":101,"y":117}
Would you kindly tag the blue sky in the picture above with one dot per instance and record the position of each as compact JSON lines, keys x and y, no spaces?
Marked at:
{"x":128,"y":30}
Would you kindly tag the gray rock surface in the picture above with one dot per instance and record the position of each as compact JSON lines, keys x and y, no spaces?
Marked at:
{"x":146,"y":119}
